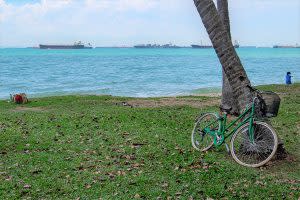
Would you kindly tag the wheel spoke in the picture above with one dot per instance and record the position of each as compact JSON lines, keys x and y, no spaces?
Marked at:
{"x":201,"y":139}
{"x":255,"y":153}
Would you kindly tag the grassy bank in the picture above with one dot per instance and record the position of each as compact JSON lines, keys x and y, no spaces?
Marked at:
{"x":100,"y":147}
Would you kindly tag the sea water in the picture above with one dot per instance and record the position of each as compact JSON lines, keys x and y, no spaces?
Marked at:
{"x":134,"y":72}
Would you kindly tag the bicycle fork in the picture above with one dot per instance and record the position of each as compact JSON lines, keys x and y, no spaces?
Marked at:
{"x":251,"y":130}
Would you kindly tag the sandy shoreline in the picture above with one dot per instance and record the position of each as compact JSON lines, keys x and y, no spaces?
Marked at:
{"x":213,"y":94}
{"x":199,"y":92}
{"x":202,"y":92}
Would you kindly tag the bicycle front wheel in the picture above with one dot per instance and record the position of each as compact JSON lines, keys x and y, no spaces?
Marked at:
{"x":257,"y":152}
{"x":201,"y":140}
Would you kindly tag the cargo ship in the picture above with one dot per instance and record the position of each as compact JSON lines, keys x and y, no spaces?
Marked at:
{"x":236,"y":44}
{"x":201,"y":46}
{"x":145,"y":46}
{"x":286,"y":46}
{"x":76,"y":45}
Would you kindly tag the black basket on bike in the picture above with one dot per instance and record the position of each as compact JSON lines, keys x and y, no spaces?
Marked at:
{"x":272,"y":103}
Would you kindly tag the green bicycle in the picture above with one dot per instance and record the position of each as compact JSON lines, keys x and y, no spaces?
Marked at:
{"x":253,"y":143}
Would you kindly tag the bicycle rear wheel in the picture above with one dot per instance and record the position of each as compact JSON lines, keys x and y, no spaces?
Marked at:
{"x":258,"y":152}
{"x":201,"y":140}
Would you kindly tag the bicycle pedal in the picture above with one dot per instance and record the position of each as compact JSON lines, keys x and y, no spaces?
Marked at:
{"x":227,"y":148}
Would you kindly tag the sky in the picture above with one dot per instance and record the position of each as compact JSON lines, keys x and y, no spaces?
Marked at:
{"x":129,"y":22}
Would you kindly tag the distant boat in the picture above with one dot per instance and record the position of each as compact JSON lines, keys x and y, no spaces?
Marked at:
{"x":196,"y":46}
{"x":76,"y":45}
{"x":286,"y":46}
{"x":236,"y":44}
{"x":145,"y":46}
{"x":142,"y":46}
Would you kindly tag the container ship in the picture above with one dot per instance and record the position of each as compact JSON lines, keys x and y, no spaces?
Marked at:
{"x":201,"y":46}
{"x":286,"y":46}
{"x":76,"y":45}
{"x":236,"y":45}
{"x":156,"y":46}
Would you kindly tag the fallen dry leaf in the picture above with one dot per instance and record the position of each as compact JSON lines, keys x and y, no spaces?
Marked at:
{"x":178,"y":193}
{"x":27,"y":186}
{"x":121,"y":173}
{"x":164,"y":185}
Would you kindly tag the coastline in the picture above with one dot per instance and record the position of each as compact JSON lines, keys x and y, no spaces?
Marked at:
{"x":208,"y":92}
{"x":201,"y":92}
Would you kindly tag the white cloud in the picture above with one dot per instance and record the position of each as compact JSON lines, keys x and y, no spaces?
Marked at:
{"x":262,"y":4}
{"x":140,"y":5}
{"x":69,"y":20}
{"x":121,"y":5}
{"x":30,"y":10}
{"x":39,"y":9}
{"x":108,"y":22}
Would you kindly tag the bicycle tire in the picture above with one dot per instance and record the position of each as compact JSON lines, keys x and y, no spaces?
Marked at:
{"x":260,"y":151}
{"x":200,"y":140}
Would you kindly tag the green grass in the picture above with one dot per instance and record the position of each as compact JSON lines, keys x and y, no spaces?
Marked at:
{"x":92,"y":147}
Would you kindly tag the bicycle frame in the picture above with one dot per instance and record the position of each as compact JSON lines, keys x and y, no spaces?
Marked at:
{"x":221,"y":135}
{"x":253,"y":142}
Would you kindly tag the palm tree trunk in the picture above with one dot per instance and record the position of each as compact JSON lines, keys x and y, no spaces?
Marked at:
{"x":222,"y":6}
{"x":219,"y":34}
{"x":226,"y":53}
{"x":228,"y":100}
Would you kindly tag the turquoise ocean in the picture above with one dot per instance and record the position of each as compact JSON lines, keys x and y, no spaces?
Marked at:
{"x":134,"y":72}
